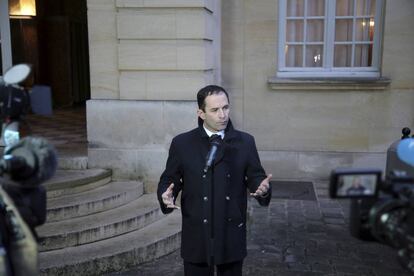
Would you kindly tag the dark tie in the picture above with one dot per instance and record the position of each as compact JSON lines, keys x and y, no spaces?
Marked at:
{"x":215,"y":137}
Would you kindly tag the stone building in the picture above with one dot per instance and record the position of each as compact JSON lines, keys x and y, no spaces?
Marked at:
{"x":319,"y":85}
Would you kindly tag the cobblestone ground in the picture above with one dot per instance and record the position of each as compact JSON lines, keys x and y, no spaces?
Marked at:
{"x":298,"y":237}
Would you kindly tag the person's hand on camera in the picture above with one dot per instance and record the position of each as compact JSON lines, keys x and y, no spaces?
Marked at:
{"x":168,"y":199}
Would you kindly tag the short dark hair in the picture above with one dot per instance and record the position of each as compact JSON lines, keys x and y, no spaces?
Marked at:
{"x":207,"y":91}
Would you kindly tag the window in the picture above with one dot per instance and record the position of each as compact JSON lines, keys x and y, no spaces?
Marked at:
{"x":329,"y":38}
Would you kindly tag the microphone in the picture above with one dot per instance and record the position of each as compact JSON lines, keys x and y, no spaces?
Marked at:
{"x":30,"y":162}
{"x":215,"y":141}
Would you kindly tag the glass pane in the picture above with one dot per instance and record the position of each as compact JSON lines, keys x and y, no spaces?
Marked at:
{"x":365,"y":7}
{"x":295,"y":8}
{"x":342,"y":55}
{"x":294,"y":30}
{"x":363,"y":55}
{"x":344,"y":7}
{"x":314,"y":54}
{"x":364,"y":30}
{"x":316,"y":8}
{"x":294,"y":56}
{"x":315,"y":30}
{"x":343,"y":30}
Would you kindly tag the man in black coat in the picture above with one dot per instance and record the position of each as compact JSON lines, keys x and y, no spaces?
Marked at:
{"x":214,"y":198}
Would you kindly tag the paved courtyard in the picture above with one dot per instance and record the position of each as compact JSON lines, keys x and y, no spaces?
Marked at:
{"x":299,"y":237}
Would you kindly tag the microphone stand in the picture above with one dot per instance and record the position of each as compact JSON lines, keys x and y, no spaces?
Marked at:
{"x":208,"y":192}
{"x":208,"y":210}
{"x":212,"y":214}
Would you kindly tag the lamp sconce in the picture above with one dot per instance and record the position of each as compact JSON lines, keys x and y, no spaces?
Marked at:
{"x":25,"y":9}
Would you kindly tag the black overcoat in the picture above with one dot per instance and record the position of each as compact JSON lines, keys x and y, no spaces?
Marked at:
{"x":213,"y":206}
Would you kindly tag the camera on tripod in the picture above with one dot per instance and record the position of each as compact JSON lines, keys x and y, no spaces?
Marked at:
{"x":382,"y":209}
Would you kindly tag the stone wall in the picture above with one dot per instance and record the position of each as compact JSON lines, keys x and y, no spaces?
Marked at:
{"x":306,"y":130}
{"x":148,"y":59}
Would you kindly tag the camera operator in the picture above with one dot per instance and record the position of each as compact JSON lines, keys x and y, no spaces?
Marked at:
{"x":18,"y":247}
{"x":30,"y":202}
{"x":27,"y":164}
{"x":24,"y":166}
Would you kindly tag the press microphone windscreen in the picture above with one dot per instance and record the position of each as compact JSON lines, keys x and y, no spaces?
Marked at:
{"x":38,"y":155}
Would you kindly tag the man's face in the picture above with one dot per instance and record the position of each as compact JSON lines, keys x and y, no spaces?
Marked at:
{"x":356,"y":182}
{"x":216,"y":114}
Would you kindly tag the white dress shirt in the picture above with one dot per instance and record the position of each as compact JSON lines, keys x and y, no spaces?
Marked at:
{"x":209,"y":132}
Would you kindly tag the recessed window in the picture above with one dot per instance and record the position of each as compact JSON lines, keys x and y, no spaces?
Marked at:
{"x":329,"y":38}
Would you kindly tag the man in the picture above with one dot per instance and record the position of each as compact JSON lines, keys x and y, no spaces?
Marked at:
{"x":357,"y":189}
{"x":213,"y":199}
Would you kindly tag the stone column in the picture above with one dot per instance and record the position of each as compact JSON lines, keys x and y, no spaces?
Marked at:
{"x":148,"y":59}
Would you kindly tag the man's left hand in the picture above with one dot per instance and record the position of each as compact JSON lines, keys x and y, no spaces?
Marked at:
{"x":263,"y":187}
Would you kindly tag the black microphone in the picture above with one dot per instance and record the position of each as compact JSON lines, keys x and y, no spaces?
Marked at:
{"x":29,"y":162}
{"x":215,"y":141}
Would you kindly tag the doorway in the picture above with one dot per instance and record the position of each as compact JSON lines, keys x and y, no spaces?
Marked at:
{"x":64,"y":50}
{"x":55,"y":42}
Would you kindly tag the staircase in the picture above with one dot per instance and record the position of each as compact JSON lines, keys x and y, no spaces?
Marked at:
{"x":97,"y":225}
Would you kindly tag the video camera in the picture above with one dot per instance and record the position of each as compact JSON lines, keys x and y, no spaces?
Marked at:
{"x":24,"y":165}
{"x":17,"y":98}
{"x":382,"y":209}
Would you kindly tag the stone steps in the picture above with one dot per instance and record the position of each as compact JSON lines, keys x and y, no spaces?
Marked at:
{"x":106,"y":197}
{"x":126,"y":218}
{"x":66,"y":182}
{"x":96,"y":225}
{"x":79,"y":162}
{"x":115,"y":254}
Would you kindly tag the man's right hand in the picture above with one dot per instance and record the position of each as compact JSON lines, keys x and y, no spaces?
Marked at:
{"x":168,"y":199}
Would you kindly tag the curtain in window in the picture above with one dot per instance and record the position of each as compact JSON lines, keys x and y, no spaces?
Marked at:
{"x":305,"y":33}
{"x":354,"y":29}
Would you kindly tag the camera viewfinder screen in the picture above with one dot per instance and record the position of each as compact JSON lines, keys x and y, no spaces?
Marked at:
{"x":357,"y":185}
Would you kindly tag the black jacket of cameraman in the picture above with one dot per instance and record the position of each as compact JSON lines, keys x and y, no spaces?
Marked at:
{"x":31,"y":203}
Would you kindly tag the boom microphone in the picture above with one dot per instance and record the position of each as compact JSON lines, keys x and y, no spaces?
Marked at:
{"x":30,"y":162}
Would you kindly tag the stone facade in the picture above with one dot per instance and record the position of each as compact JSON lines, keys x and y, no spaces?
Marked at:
{"x":148,"y":58}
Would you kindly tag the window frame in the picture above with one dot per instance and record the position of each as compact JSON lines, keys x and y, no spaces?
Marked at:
{"x":327,"y":70}
{"x":5,"y":40}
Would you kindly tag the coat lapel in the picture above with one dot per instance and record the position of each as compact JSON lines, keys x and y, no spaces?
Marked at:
{"x":225,"y":145}
{"x":204,"y":144}
{"x":220,"y":152}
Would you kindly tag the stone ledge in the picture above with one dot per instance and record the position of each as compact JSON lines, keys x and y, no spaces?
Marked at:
{"x":353,"y":84}
{"x":311,"y":165}
{"x":165,"y":4}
